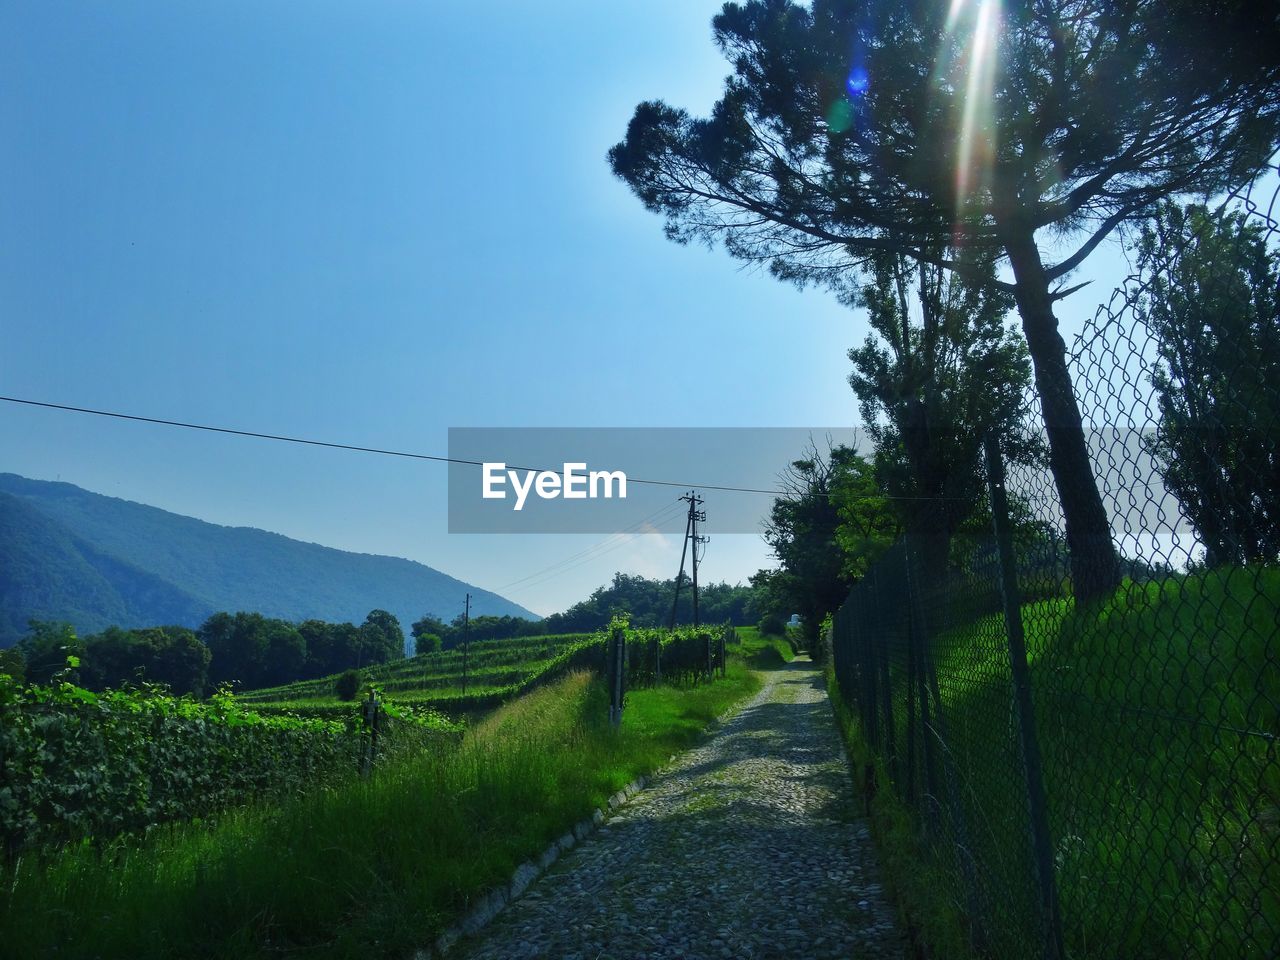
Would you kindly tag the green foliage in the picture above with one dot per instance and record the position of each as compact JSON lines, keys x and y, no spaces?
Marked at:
{"x":764,"y":652}
{"x":46,"y":647}
{"x":931,"y":389}
{"x":846,"y":130}
{"x":375,"y":866}
{"x":347,"y":686}
{"x":935,"y":923}
{"x":824,"y":513}
{"x":258,"y":651}
{"x":78,"y":764}
{"x":427,"y":643}
{"x":75,"y":764}
{"x":772,"y":625}
{"x":494,"y":667}
{"x":687,"y":655}
{"x":1213,"y":303}
{"x":647,"y":602}
{"x":170,"y":656}
{"x":331,"y":647}
{"x":381,"y":638}
{"x":12,"y":663}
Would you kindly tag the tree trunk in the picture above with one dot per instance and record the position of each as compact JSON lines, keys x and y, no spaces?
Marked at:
{"x":1094,"y":567}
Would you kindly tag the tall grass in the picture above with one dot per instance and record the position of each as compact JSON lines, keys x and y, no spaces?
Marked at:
{"x":368,"y":868}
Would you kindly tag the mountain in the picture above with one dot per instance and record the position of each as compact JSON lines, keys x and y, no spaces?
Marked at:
{"x":69,"y":554}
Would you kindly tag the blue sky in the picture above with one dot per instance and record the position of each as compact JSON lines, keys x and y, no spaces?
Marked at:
{"x":369,"y":223}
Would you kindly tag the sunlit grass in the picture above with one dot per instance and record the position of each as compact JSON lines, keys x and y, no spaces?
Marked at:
{"x":1157,"y":718}
{"x":764,"y":652}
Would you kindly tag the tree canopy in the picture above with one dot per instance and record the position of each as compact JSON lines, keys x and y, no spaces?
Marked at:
{"x":939,"y":372}
{"x":1212,"y":301}
{"x":853,"y":127}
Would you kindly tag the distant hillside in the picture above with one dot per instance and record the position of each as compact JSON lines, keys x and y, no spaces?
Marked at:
{"x":68,"y":554}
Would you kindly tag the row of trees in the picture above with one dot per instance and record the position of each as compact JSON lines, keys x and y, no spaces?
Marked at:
{"x":647,"y":601}
{"x":246,"y":649}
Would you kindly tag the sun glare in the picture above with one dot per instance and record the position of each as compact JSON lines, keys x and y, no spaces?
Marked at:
{"x":981,"y":20}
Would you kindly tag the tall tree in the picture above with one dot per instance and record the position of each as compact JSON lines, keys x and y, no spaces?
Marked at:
{"x":850,"y":127}
{"x":1212,"y":301}
{"x":939,"y":371}
{"x":381,"y":637}
{"x":803,"y":529}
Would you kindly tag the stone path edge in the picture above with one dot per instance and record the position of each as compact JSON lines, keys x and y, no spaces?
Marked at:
{"x":489,"y":906}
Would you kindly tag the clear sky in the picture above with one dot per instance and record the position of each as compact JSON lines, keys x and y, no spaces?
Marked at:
{"x":369,"y":222}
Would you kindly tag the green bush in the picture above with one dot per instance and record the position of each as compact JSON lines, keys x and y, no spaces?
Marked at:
{"x":347,"y":686}
{"x":771,"y":625}
{"x":427,"y":643}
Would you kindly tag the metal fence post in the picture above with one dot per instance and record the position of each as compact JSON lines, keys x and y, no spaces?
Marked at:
{"x":1042,"y":843}
{"x":617,"y":668}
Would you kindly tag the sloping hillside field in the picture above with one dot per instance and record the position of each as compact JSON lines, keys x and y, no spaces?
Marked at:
{"x":493,"y":670}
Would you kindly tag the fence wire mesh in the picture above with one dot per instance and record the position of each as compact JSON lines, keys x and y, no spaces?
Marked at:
{"x":1129,"y":806}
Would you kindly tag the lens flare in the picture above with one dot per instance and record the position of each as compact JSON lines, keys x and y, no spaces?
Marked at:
{"x":840,"y":116}
{"x":857,"y":82}
{"x":976,"y":132}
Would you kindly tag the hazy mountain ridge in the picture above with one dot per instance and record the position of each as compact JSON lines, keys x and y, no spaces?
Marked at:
{"x":68,"y":553}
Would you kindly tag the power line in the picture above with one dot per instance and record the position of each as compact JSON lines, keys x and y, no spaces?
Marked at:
{"x":333,"y":445}
{"x":558,"y":573}
{"x":595,"y":551}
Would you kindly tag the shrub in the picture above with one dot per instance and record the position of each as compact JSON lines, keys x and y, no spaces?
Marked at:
{"x":347,"y":686}
{"x":428,"y":643}
{"x":771,"y":625}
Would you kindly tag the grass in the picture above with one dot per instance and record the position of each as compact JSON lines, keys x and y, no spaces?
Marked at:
{"x":369,"y":868}
{"x":764,"y":652}
{"x":1157,"y":718}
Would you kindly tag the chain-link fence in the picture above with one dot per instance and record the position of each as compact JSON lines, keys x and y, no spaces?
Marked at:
{"x":1098,"y":776}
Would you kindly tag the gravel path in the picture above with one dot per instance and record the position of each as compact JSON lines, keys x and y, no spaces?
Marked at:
{"x":747,"y":846}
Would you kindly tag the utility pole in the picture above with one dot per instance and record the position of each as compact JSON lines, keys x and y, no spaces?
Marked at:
{"x":466,"y":641}
{"x":680,"y":576}
{"x":695,"y":517}
{"x":696,"y":540}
